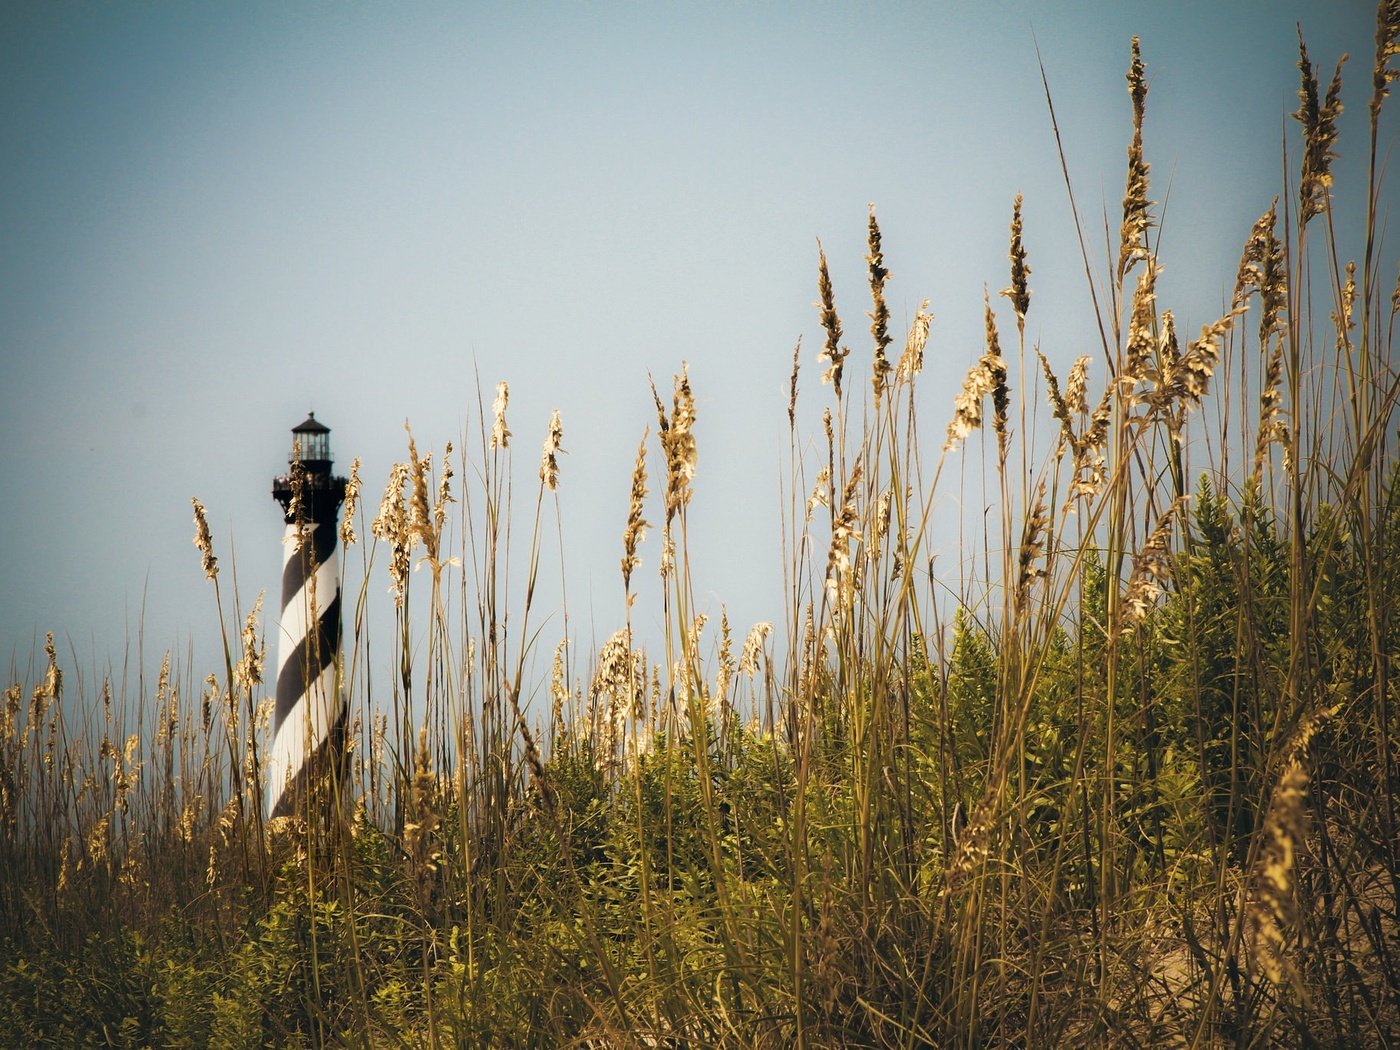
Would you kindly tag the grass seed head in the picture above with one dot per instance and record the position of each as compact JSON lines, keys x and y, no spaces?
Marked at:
{"x":833,"y":352}
{"x":549,"y":458}
{"x":879,"y":312}
{"x":1151,"y":572}
{"x":1019,"y":291}
{"x":911,"y":361}
{"x":1387,"y":48}
{"x":391,"y":525}
{"x":1137,"y":218}
{"x":202,"y":540}
{"x":500,"y":436}
{"x":967,"y":406}
{"x":636,"y":530}
{"x":352,"y":503}
{"x":1319,"y":120}
{"x":678,"y":442}
{"x":996,"y":363}
{"x":753,"y":647}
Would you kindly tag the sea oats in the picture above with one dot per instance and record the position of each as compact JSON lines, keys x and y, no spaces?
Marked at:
{"x":1199,"y":361}
{"x":1271,"y":911}
{"x":420,"y":515}
{"x":1319,"y":120}
{"x":880,"y":312}
{"x":678,"y":442}
{"x":1387,"y":48}
{"x":1261,"y":267}
{"x":352,"y":502}
{"x":1077,"y":386}
{"x":1271,"y":277}
{"x":792,"y":384}
{"x":1001,"y":397}
{"x":967,"y":406}
{"x":1019,"y":291}
{"x":1059,"y":408}
{"x":840,"y":573}
{"x":879,"y":527}
{"x":248,"y":671}
{"x":911,"y":361}
{"x":725,"y":671}
{"x":1137,"y":220}
{"x":753,"y":647}
{"x":202,"y":540}
{"x":391,"y":525}
{"x":1142,"y":335}
{"x":834,"y":353}
{"x":549,"y":458}
{"x":1343,"y":323}
{"x":1272,"y":426}
{"x":500,"y":436}
{"x":558,"y":689}
{"x":820,"y":492}
{"x":1151,"y":572}
{"x":1032,"y":549}
{"x":618,"y":686}
{"x":296,"y":506}
{"x":637,"y":526}
{"x":444,"y":493}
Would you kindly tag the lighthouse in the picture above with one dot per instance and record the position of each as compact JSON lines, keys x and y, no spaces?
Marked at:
{"x":308,"y":722}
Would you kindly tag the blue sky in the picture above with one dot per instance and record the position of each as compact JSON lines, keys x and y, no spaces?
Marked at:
{"x":214,"y":216}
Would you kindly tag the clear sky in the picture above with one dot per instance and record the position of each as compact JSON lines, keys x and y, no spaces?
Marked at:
{"x":215,"y":216}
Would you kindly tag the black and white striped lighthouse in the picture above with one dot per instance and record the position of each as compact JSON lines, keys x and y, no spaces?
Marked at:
{"x":308,"y":723}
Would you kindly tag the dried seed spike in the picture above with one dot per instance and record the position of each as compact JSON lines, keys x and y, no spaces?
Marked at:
{"x":996,"y":365}
{"x":725,"y":672}
{"x":792,"y":385}
{"x":549,"y":458}
{"x":1032,"y":549}
{"x":834,"y":353}
{"x":1342,"y":320}
{"x":1387,"y":48}
{"x":753,"y":647}
{"x":204,"y":542}
{"x":444,"y":492}
{"x":1272,"y":426}
{"x":1059,"y":407}
{"x":840,"y":579}
{"x":1019,"y":291}
{"x":678,"y":442}
{"x":1142,"y":336}
{"x":391,"y":524}
{"x":1151,"y":571}
{"x":637,"y":526}
{"x":1319,"y":120}
{"x":880,"y":313}
{"x":967,"y":406}
{"x":352,"y":502}
{"x":500,"y":436}
{"x":911,"y":361}
{"x":1132,"y":237}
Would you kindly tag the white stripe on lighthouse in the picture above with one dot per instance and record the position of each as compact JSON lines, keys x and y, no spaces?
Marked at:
{"x":296,"y":740}
{"x":297,"y":613}
{"x":307,"y":706}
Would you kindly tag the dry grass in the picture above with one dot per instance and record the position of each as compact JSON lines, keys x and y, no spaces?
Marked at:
{"x":1133,"y":788}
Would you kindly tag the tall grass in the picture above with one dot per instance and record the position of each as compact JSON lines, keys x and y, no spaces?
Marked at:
{"x":1133,"y":783}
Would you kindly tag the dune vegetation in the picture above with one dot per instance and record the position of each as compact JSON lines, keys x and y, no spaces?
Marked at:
{"x":1132,"y":783}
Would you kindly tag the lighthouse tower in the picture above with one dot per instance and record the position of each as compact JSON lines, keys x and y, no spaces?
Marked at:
{"x":309,"y":720}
